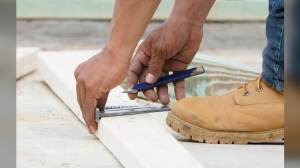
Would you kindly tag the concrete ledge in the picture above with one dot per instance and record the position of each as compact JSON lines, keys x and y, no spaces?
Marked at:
{"x":26,"y":60}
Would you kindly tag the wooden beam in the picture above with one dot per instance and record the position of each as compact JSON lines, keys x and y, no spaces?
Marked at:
{"x":135,"y":140}
{"x":223,"y":10}
{"x":26,"y":60}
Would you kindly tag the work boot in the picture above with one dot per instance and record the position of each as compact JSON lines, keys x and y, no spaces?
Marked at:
{"x":252,"y":113}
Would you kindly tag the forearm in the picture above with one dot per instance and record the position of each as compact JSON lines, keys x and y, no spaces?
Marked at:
{"x":191,"y":11}
{"x":130,"y":19}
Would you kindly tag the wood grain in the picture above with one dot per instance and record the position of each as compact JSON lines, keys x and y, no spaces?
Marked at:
{"x":135,"y":140}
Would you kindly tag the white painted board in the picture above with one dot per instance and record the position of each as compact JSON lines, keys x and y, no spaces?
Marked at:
{"x":135,"y":140}
{"x":26,"y":60}
{"x":49,"y":135}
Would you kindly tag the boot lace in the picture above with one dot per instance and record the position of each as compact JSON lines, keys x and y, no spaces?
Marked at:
{"x":258,"y":87}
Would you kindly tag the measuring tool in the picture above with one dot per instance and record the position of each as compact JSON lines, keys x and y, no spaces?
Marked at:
{"x":127,"y":110}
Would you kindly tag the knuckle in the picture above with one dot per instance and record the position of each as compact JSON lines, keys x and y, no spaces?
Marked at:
{"x":76,"y":72}
{"x":154,"y":66}
{"x":89,"y":86}
{"x":87,"y":108}
{"x":98,"y":94}
{"x":89,"y":120}
{"x":80,"y":79}
{"x":158,"y":49}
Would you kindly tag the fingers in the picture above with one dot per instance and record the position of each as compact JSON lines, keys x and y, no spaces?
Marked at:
{"x":175,"y":65}
{"x":82,"y":93}
{"x":89,"y":111}
{"x":78,"y":96}
{"x":179,"y":89}
{"x":151,"y":95}
{"x":133,"y":75}
{"x":87,"y":103}
{"x":139,"y":72}
{"x":163,"y":95}
{"x":137,"y":65}
{"x":155,"y":67}
{"x":76,"y":74}
{"x":94,"y":77}
{"x":162,"y":91}
{"x":81,"y":96}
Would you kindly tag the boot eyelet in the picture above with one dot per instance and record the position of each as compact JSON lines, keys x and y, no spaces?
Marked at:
{"x":246,"y":94}
{"x":260,"y":89}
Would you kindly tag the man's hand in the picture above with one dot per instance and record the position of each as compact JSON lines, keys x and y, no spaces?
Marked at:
{"x":95,"y":78}
{"x":170,"y":47}
{"x":98,"y":75}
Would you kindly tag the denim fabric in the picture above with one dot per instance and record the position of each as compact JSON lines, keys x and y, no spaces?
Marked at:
{"x":273,"y":54}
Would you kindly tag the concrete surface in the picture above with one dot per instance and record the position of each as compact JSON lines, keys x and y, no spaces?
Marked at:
{"x":238,"y":41}
{"x":269,"y":154}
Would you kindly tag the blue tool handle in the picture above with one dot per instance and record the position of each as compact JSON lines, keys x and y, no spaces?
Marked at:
{"x":167,"y":79}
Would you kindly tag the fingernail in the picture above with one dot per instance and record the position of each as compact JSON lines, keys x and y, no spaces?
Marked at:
{"x":93,"y":130}
{"x":149,"y":78}
{"x":89,"y":130}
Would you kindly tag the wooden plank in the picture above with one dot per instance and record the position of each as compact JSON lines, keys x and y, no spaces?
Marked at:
{"x":238,"y":10}
{"x":49,"y":135}
{"x":135,"y":140}
{"x":26,"y":60}
{"x":221,"y":76}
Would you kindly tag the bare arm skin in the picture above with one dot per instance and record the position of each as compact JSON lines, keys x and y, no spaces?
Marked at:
{"x":106,"y":70}
{"x":170,"y":47}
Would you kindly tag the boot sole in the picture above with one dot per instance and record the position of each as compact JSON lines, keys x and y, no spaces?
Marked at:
{"x":221,"y":137}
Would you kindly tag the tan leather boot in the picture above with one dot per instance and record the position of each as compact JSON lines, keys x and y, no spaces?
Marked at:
{"x":252,"y":113}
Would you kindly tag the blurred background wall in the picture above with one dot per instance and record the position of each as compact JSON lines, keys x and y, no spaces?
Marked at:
{"x":223,"y":10}
{"x":235,"y":29}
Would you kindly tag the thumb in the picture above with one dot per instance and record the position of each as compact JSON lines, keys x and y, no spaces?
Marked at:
{"x":154,"y":68}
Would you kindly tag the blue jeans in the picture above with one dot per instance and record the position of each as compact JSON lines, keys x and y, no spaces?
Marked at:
{"x":273,"y":54}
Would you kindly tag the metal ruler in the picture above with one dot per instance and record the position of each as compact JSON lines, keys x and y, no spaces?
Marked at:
{"x":110,"y":111}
